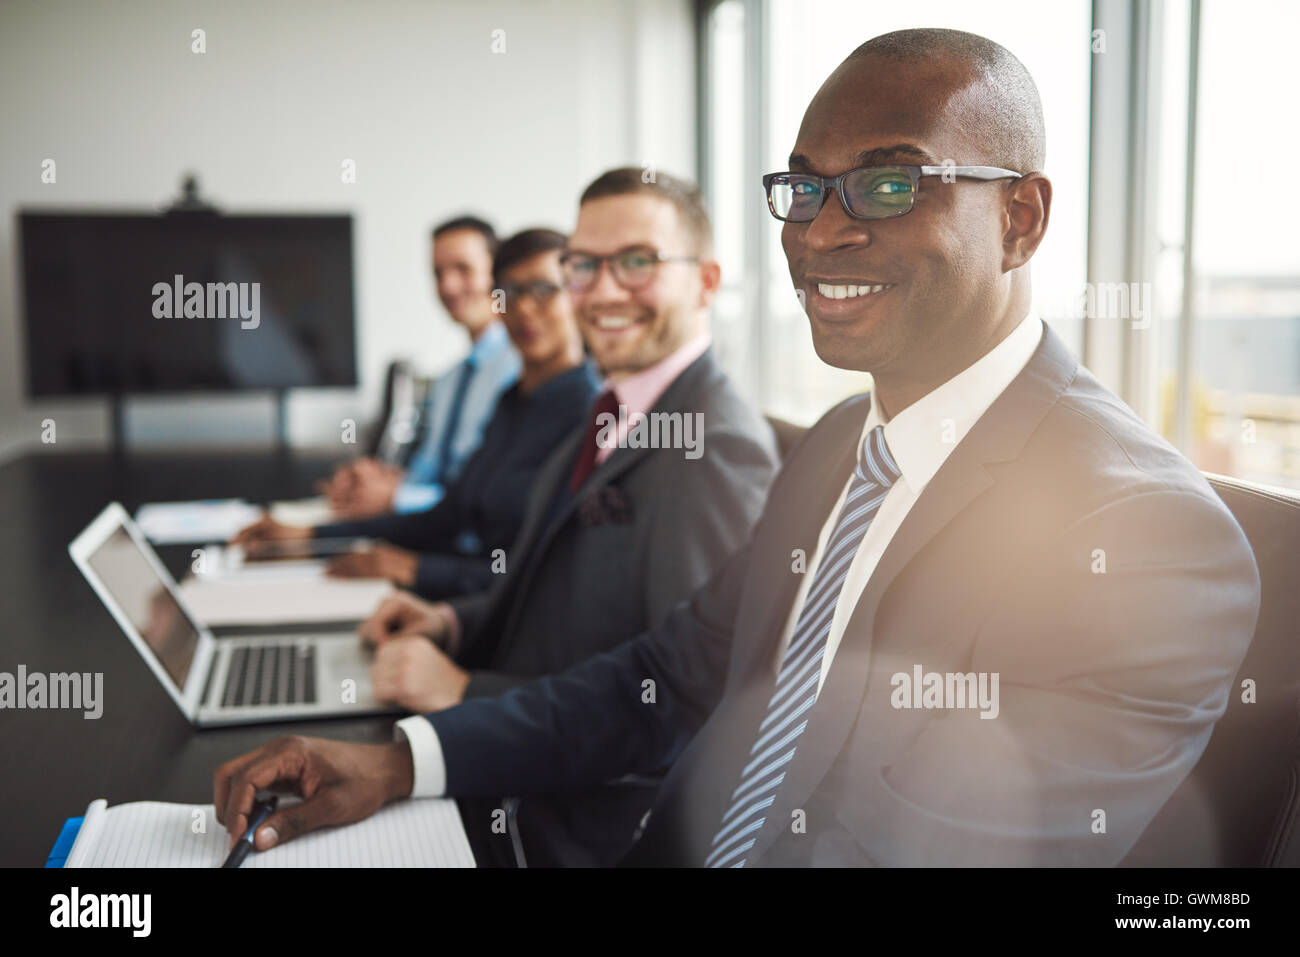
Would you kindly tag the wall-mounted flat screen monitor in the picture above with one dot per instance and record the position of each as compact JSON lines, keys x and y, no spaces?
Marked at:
{"x":186,"y":302}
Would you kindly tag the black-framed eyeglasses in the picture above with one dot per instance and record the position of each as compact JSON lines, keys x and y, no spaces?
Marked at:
{"x":870,"y":192}
{"x":539,"y":290}
{"x":632,"y":266}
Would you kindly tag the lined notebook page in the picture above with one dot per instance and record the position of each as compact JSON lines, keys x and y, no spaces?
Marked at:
{"x":425,"y":832}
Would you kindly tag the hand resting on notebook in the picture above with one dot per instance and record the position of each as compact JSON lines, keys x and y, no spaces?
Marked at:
{"x":339,"y":783}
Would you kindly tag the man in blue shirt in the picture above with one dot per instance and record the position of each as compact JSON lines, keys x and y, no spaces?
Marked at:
{"x":459,"y":403}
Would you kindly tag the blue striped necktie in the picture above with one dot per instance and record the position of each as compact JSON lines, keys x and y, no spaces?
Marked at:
{"x":796,"y":684}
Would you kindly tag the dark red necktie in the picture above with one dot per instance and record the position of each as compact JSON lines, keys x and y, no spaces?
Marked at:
{"x":586,"y":464}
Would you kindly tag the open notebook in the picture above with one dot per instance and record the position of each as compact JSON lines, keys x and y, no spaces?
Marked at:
{"x":425,"y":832}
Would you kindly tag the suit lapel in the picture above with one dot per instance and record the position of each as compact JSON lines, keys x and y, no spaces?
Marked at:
{"x":696,"y":792}
{"x":619,"y":461}
{"x":801,"y":531}
{"x":999,"y":435}
{"x":680,"y":396}
{"x":547,"y":486}
{"x":835,"y":712}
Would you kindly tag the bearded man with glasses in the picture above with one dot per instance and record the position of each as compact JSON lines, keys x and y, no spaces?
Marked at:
{"x":615,"y":533}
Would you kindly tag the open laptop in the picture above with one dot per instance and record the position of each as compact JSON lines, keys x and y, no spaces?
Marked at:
{"x":243,"y":680}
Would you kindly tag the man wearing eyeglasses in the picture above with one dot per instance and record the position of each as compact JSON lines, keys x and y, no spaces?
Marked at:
{"x":457,"y":546}
{"x":617,"y":531}
{"x":987,"y":616}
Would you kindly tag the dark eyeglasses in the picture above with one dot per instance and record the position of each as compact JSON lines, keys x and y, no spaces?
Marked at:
{"x":539,"y":289}
{"x":871,"y":192}
{"x":632,"y":267}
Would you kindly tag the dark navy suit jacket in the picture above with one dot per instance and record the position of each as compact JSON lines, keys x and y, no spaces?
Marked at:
{"x":1110,"y":683}
{"x":594,"y":569}
{"x":484,"y":508}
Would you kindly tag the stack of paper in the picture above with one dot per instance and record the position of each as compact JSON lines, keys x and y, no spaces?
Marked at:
{"x":216,"y":520}
{"x":303,"y":511}
{"x":242,"y":600}
{"x":229,"y":563}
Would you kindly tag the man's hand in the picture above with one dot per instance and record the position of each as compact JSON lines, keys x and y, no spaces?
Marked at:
{"x":363,"y":488}
{"x":338,"y":486}
{"x":340,"y":783}
{"x":260,"y":538}
{"x":411,"y":672}
{"x":403,"y":614}
{"x":383,"y":561}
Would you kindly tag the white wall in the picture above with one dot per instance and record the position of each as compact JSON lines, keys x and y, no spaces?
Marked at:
{"x":436,"y":122}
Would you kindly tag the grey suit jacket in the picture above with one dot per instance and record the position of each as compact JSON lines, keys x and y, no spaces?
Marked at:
{"x":1112,"y":671}
{"x":644,"y":532}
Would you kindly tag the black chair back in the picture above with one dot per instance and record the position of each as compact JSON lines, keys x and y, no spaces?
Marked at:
{"x":1239,"y":805}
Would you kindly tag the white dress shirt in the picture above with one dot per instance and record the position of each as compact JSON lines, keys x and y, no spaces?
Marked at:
{"x":920,"y":438}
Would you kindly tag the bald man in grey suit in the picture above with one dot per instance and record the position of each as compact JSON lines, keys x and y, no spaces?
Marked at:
{"x":987,"y":617}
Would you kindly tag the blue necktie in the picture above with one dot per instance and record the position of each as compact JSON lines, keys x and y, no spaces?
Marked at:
{"x":796,"y":684}
{"x":445,"y":471}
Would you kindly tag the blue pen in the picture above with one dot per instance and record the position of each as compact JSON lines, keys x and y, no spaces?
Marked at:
{"x":261,"y":811}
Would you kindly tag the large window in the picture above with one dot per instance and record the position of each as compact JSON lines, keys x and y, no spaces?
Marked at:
{"x":1169,"y":264}
{"x":1228,"y":375}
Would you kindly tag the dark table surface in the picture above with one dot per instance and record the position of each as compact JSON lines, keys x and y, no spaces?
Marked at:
{"x":54,"y":763}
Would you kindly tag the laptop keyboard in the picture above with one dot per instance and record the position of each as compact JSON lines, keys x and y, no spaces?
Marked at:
{"x":261,"y":675}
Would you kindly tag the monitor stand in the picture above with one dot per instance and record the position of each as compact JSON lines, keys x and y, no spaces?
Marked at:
{"x":282,"y":421}
{"x":117,"y":423}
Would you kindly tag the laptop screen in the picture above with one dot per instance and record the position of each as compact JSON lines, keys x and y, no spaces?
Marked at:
{"x":143,"y":597}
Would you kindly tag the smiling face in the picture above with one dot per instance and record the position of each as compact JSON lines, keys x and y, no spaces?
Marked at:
{"x":630,"y":330}
{"x":462,"y":270}
{"x":902,"y":296}
{"x":542,"y":329}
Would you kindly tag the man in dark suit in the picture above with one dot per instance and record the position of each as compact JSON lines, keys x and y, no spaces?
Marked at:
{"x":987,"y":616}
{"x":621,"y":524}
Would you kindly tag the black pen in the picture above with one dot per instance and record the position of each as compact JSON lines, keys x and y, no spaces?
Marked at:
{"x":261,"y":811}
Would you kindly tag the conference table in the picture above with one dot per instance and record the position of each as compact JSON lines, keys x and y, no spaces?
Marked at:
{"x":53,"y":763}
